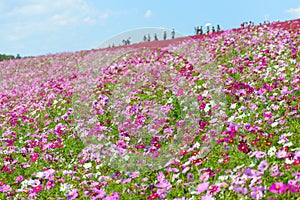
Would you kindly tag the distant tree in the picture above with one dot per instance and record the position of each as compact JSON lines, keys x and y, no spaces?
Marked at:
{"x":6,"y":57}
{"x":18,"y":56}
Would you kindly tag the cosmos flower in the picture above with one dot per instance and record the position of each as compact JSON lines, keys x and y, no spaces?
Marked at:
{"x":263,"y":165}
{"x":202,"y":187}
{"x":281,"y":154}
{"x":278,"y":188}
{"x":257,"y":192}
{"x":34,"y":157}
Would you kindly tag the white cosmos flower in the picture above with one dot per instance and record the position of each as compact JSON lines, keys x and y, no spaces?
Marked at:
{"x":281,"y":141}
{"x":288,"y":161}
{"x":196,"y":145}
{"x":233,"y":106}
{"x":272,"y":151}
{"x":63,"y":187}
{"x":231,"y":118}
{"x":274,"y":124}
{"x":206,"y":109}
{"x":126,"y":157}
{"x":289,"y":144}
{"x":87,"y":165}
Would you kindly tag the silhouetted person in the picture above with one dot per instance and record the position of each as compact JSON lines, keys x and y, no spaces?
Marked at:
{"x":213,"y":29}
{"x":165,"y":35}
{"x":145,"y":38}
{"x":218,"y":28}
{"x":173,"y":34}
{"x":149,"y":38}
{"x":200,"y":30}
{"x":155,"y":36}
{"x":207,"y":30}
{"x":128,"y":40}
{"x":197,"y":30}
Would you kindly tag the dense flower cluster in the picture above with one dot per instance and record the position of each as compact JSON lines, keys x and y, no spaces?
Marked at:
{"x":46,"y":120}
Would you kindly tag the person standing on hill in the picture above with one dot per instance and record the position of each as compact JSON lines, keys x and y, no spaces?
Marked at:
{"x":165,"y":35}
{"x":155,"y":36}
{"x":218,"y":28}
{"x":200,"y":30}
{"x":207,"y":30}
{"x":173,"y":33}
{"x":149,"y":38}
{"x":213,"y":29}
{"x":145,"y":38}
{"x":197,"y":30}
{"x":128,"y":40}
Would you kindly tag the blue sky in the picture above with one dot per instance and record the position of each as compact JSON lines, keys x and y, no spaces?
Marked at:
{"x":39,"y":27}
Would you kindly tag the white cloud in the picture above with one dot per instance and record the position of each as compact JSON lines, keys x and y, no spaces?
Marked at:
{"x":33,"y":9}
{"x":148,"y":14}
{"x":2,"y":6}
{"x":64,"y":19}
{"x":13,"y":38}
{"x":267,"y":16}
{"x":55,"y":12}
{"x":104,"y":15}
{"x":294,"y":11}
{"x":41,"y":17}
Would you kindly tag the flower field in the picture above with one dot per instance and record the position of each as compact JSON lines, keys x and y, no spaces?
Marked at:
{"x":203,"y":117}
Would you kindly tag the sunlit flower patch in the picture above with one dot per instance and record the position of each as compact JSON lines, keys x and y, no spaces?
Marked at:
{"x":154,"y":123}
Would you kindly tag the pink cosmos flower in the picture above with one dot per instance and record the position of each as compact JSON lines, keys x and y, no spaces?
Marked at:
{"x":160,"y":176}
{"x":5,"y":188}
{"x":278,"y":188}
{"x":135,"y":174}
{"x":180,"y":92}
{"x":164,"y":184}
{"x":49,"y":184}
{"x":214,"y":189}
{"x":202,"y":187}
{"x":34,"y":157}
{"x":19,"y":179}
{"x":204,"y":176}
{"x":153,"y":196}
{"x":281,"y":154}
{"x":207,"y":197}
{"x":72,"y":194}
{"x":268,"y":115}
{"x":257,"y":192}
{"x":260,"y":154}
{"x":263,"y":166}
{"x":37,"y":189}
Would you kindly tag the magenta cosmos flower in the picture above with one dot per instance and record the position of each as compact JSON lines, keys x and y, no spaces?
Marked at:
{"x":278,"y":188}
{"x":34,"y":157}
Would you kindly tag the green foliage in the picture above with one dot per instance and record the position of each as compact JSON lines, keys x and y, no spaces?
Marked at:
{"x":8,"y":57}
